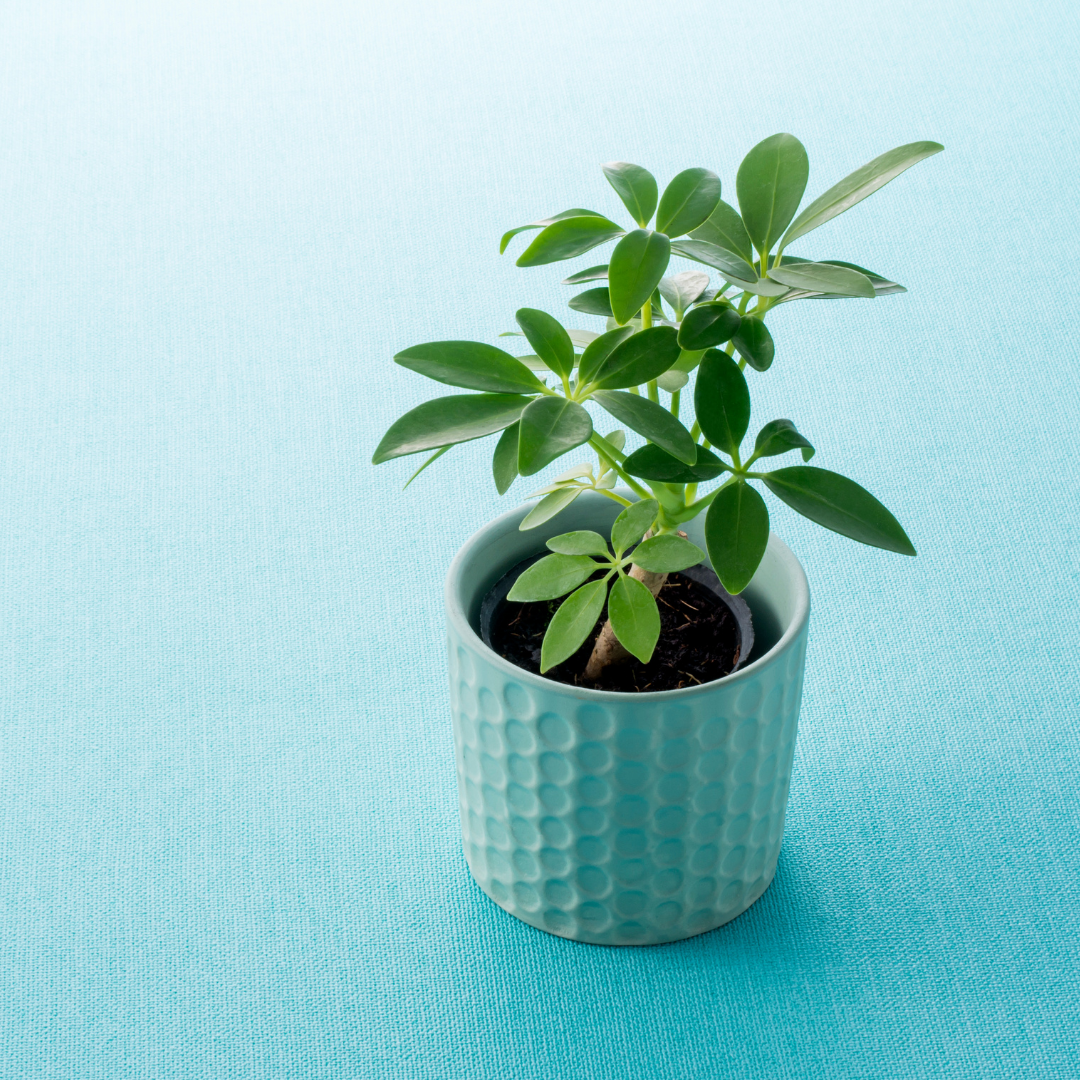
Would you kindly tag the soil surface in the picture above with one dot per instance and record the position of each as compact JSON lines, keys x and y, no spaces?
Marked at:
{"x":698,"y":642}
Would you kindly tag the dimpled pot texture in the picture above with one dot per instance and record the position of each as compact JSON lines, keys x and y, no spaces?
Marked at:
{"x":613,"y":818}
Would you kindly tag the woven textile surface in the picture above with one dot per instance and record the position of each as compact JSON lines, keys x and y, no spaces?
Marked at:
{"x":229,"y":843}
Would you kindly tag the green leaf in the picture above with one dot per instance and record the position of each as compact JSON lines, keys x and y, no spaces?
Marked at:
{"x":725,"y":229}
{"x":568,"y":237}
{"x":736,"y":534}
{"x":681,"y":290}
{"x":617,"y":438}
{"x":770,"y":185}
{"x":637,"y":264}
{"x":582,"y":542}
{"x":651,"y":420}
{"x":550,"y":426}
{"x":672,"y":381}
{"x":543,"y":222}
{"x":839,"y":504}
{"x":471,"y":364}
{"x":549,"y":506}
{"x":449,"y":420}
{"x":688,"y":360}
{"x":597,"y":352}
{"x":722,"y":401}
{"x":504,"y":466}
{"x":634,"y":617}
{"x":666,"y":554}
{"x":688,"y":201}
{"x":635,"y":186}
{"x":780,"y":436}
{"x":882,"y":285}
{"x":732,"y":266}
{"x":858,"y":185}
{"x":578,"y":614}
{"x":594,"y":273}
{"x":641,"y":357}
{"x":754,"y":343}
{"x":551,"y":577}
{"x":548,"y":337}
{"x":708,"y":325}
{"x":632,"y":524}
{"x":582,"y":339}
{"x":592,"y":302}
{"x":650,"y":462}
{"x":434,"y":457}
{"x":823,"y":277}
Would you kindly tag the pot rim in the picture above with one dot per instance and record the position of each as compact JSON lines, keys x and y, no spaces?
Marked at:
{"x":460,"y":621}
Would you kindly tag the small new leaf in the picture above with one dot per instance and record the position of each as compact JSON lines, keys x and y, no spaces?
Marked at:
{"x":553,"y":576}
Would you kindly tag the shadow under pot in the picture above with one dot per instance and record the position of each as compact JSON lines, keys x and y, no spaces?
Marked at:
{"x":622,"y":818}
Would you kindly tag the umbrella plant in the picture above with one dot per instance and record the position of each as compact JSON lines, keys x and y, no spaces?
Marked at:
{"x":711,"y":332}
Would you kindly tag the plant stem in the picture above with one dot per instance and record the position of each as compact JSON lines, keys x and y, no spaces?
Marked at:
{"x":654,"y":393}
{"x":602,"y":446}
{"x":675,"y":404}
{"x":695,"y":431}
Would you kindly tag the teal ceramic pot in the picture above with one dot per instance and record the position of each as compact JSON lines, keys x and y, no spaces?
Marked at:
{"x":615,"y":818}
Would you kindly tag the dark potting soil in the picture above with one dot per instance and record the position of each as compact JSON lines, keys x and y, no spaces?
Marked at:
{"x":698,"y":642}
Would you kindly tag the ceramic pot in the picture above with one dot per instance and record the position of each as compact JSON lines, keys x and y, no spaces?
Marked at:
{"x":619,"y":818}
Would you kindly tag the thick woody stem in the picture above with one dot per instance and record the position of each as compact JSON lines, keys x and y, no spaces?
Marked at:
{"x":608,"y":649}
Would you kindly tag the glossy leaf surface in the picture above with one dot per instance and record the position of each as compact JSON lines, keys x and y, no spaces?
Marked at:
{"x":754,"y":343}
{"x":448,"y":420}
{"x":542,"y":223}
{"x":553,"y":576}
{"x":578,"y":614}
{"x":667,"y":554}
{"x":687,"y":201}
{"x":597,"y":351}
{"x":780,"y":436}
{"x":725,"y":229}
{"x":592,"y":302}
{"x":632,"y":524}
{"x":550,"y":426}
{"x":707,"y":326}
{"x":823,"y":277}
{"x":651,"y":462}
{"x":651,"y":420}
{"x":722,"y":401}
{"x":504,"y":462}
{"x":770,"y":185}
{"x":471,"y":364}
{"x":641,"y":357}
{"x":736,"y":534}
{"x":635,"y":186}
{"x":637,"y":264}
{"x":839,"y":504}
{"x":568,"y":237}
{"x":858,"y":185}
{"x":732,"y":266}
{"x":634,"y":617}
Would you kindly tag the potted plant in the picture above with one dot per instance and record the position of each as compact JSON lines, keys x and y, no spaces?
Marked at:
{"x":624,"y":748}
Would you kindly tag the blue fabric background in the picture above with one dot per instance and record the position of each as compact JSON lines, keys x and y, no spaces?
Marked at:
{"x":229,"y":840}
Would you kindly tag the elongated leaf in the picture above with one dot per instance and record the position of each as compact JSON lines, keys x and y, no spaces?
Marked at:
{"x":634,"y":617}
{"x":672,"y":380}
{"x":754,"y":343}
{"x":576,"y":618}
{"x":770,"y":185}
{"x":882,"y":285}
{"x":635,"y":186}
{"x":568,"y":237}
{"x":553,"y":576}
{"x":681,"y":290}
{"x":592,"y":302}
{"x":858,"y":185}
{"x":722,"y":401}
{"x":549,"y":506}
{"x":632,"y":524}
{"x":839,"y":504}
{"x":550,"y":426}
{"x":449,"y":420}
{"x":736,"y":534}
{"x":582,"y":542}
{"x":434,"y":457}
{"x":594,"y":273}
{"x":504,"y":465}
{"x":732,"y":266}
{"x":637,"y":264}
{"x":780,"y":436}
{"x":708,"y":325}
{"x":548,"y":337}
{"x":666,"y":554}
{"x":650,"y":462}
{"x":597,"y":352}
{"x":543,"y":222}
{"x":823,"y":277}
{"x":651,"y":420}
{"x":641,"y":357}
{"x":688,"y":201}
{"x":725,"y":229}
{"x":471,"y":364}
